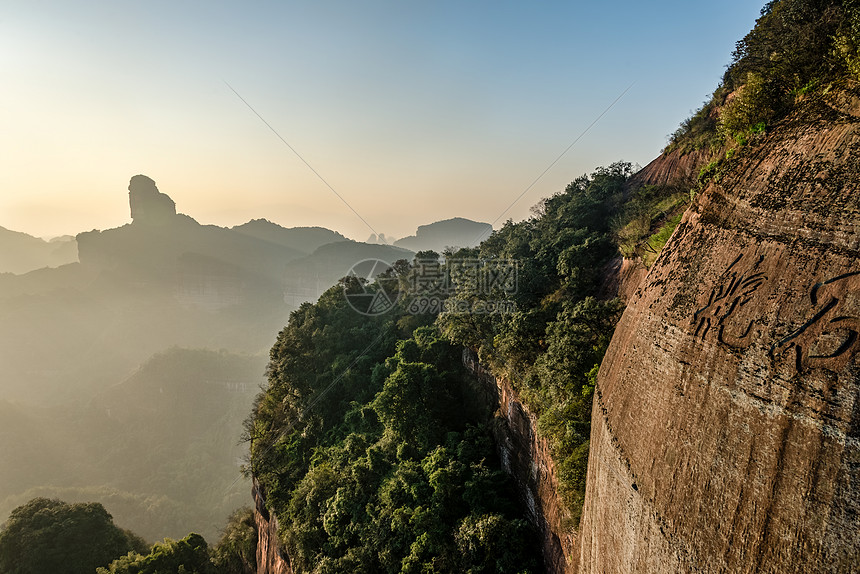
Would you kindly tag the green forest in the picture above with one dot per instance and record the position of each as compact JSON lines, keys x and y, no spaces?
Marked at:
{"x":48,"y":535}
{"x":373,"y":443}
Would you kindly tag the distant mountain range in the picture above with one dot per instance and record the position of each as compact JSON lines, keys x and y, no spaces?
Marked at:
{"x":20,"y":253}
{"x":303,"y":239}
{"x":161,"y":280}
{"x":447,"y":234}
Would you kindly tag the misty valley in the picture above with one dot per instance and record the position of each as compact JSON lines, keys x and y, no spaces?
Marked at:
{"x":158,"y":343}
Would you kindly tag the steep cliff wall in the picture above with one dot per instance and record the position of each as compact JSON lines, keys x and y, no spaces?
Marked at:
{"x":527,"y":458}
{"x":726,"y":426}
{"x":270,"y":558}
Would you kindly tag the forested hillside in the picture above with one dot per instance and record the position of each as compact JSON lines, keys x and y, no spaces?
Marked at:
{"x":547,"y":336}
{"x":371,"y":441}
{"x":375,"y":453}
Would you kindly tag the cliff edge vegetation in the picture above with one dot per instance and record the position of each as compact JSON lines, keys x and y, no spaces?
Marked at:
{"x":374,"y":454}
{"x":372,"y":443}
{"x":798,"y":49}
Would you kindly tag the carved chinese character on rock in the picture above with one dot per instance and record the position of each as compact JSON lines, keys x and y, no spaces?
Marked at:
{"x":829,"y":336}
{"x":723,"y":314}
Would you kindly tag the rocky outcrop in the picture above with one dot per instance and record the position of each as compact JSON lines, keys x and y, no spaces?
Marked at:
{"x":526,"y":457}
{"x":726,"y":423}
{"x":148,"y":205}
{"x":622,"y":276}
{"x":675,"y":168}
{"x":270,"y":558}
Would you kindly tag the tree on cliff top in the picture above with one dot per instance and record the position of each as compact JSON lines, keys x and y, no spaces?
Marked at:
{"x":47,"y":535}
{"x":187,"y":556}
{"x":797,"y":48}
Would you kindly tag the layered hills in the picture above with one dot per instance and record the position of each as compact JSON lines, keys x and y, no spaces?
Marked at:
{"x":20,"y":253}
{"x":161,"y":280}
{"x":159,"y":449}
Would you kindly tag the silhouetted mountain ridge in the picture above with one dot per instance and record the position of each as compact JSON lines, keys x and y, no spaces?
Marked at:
{"x":454,"y":232}
{"x":158,"y":447}
{"x":304,"y":239}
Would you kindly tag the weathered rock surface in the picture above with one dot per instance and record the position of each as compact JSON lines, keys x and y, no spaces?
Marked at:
{"x":622,"y":277}
{"x":270,"y":558}
{"x":673,"y":168}
{"x":148,"y":205}
{"x":726,"y":424}
{"x":526,"y":457}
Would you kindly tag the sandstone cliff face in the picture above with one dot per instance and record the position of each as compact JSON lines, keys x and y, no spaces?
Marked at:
{"x":527,"y":458}
{"x":726,"y":426}
{"x":673,"y":168}
{"x":270,"y":558}
{"x":622,"y":277}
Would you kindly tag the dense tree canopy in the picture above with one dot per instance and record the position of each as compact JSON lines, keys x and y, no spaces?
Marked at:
{"x":187,"y":556}
{"x":48,"y":535}
{"x":375,"y":453}
{"x":551,"y":346}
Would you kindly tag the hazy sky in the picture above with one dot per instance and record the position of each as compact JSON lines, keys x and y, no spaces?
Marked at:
{"x":412,"y":111}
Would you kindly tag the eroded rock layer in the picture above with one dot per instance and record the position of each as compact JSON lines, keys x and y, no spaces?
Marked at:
{"x":726,"y":427}
{"x":271,"y":559}
{"x":673,"y":168}
{"x":527,"y":458}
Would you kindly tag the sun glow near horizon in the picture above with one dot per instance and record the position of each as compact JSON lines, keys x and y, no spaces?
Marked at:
{"x":411,"y":113}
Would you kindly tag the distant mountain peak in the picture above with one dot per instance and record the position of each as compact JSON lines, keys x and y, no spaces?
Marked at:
{"x":380,"y":239}
{"x":148,"y":205}
{"x":454,"y":232}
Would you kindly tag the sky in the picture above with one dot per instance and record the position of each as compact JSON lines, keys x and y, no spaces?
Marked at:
{"x":411,"y":112}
